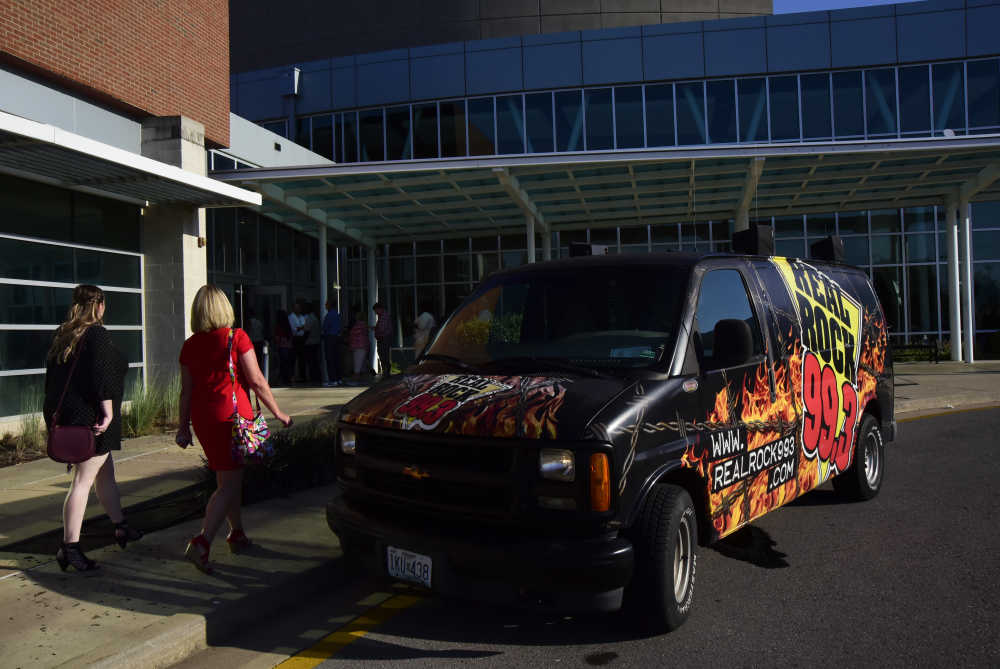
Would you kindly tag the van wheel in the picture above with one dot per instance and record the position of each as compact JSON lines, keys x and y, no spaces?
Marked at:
{"x":665,"y":537}
{"x":863,"y":479}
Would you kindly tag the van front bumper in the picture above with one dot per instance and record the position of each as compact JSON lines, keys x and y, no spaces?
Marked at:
{"x":578,"y":574}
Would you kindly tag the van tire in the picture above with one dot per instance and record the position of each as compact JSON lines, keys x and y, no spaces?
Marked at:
{"x":863,"y":479}
{"x":665,"y":539}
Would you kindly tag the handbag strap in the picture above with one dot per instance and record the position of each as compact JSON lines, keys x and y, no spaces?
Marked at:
{"x":72,"y":368}
{"x":232,"y":376}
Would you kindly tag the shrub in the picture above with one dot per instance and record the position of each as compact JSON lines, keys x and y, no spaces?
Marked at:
{"x":145,"y":405}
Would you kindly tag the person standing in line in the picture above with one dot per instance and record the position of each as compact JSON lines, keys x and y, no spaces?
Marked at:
{"x":297,"y":322}
{"x":313,"y":336}
{"x":84,"y":382}
{"x":423,"y":325}
{"x":206,"y":403}
{"x":256,"y":332}
{"x":283,"y":344}
{"x":383,"y":330}
{"x":331,"y":340}
{"x":357,"y":340}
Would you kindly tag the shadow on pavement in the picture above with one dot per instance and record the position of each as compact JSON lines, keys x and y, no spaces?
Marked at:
{"x":754,"y":545}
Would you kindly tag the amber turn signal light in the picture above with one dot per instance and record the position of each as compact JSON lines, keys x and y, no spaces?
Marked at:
{"x":600,"y":482}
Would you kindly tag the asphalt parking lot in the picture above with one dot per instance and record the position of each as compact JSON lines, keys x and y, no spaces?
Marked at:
{"x":909,"y":578}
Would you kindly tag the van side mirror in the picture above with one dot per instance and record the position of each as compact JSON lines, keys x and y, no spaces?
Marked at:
{"x":732,"y":343}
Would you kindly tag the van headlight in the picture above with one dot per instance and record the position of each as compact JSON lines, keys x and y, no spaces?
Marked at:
{"x":348,"y":441}
{"x":557,"y":464}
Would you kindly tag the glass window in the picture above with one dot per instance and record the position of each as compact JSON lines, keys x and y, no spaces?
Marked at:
{"x":322,"y":135}
{"x":99,"y":221}
{"x":453,"y":128}
{"x":856,"y":251}
{"x":35,"y":305}
{"x":569,"y":121}
{"x":853,"y":223}
{"x":246,"y":232}
{"x":277,"y":127}
{"x":457,"y":267}
{"x":986,"y":245}
{"x":984,"y":93}
{"x":816,"y":106}
{"x":371,"y":132}
{"x":691,"y":113}
{"x":286,"y":252}
{"x":401,"y":270}
{"x":790,"y":248}
{"x":428,"y":269}
{"x":628,"y":117}
{"x":268,"y":250}
{"x":723,"y":296}
{"x":397,"y":134}
{"x":949,"y":97}
{"x":721,"y":111}
{"x":129,"y":342}
{"x":848,"y":105}
{"x":922,"y":288}
{"x":538,"y":117}
{"x":107,"y":268}
{"x":885,"y":220}
{"x":303,"y":132}
{"x":349,"y":146}
{"x":660,"y":115}
{"x":787,"y":226}
{"x":920,"y":248}
{"x":510,"y":124}
{"x":919,"y":219}
{"x":914,"y":99}
{"x":986,"y":215}
{"x":24,"y":349}
{"x":986,"y":284}
{"x":820,"y":225}
{"x":665,"y":237}
{"x":481,"y":127}
{"x":38,"y":262}
{"x":599,"y":125}
{"x":888,"y":283}
{"x":21,"y":394}
{"x":784,"y":108}
{"x":753,"y":110}
{"x":35,"y":209}
{"x":880,"y":91}
{"x":222,"y":162}
{"x":401,"y":307}
{"x":425,"y":131}
{"x":885,"y":249}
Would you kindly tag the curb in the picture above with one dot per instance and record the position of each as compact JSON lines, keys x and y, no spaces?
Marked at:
{"x":173,"y":639}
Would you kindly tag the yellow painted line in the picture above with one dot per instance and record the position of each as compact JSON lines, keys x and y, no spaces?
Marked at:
{"x":948,"y":413}
{"x":340,"y":638}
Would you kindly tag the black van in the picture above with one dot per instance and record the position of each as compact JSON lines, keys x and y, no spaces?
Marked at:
{"x":577,"y":427}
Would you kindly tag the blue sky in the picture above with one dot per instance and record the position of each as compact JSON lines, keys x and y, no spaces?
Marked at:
{"x":786,"y":6}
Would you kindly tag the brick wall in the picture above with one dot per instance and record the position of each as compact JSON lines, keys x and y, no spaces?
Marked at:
{"x":148,"y":57}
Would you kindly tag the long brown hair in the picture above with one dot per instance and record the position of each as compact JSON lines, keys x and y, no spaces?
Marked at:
{"x":83,"y":313}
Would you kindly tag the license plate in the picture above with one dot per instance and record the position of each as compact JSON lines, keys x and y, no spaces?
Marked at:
{"x":407,"y":566}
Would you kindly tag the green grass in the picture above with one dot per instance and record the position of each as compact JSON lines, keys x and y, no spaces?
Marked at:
{"x":151,"y":408}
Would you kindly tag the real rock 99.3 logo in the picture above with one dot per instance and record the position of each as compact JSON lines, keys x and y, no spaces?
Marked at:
{"x":425,"y":410}
{"x":830,"y":321}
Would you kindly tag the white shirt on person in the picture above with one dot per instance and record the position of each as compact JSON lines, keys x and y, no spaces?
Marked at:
{"x":298,"y":324}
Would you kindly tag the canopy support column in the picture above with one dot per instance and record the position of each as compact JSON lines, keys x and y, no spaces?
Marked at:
{"x":547,"y":245}
{"x":954,"y":305}
{"x":372,"y":299}
{"x":530,"y":236}
{"x":965,"y":239}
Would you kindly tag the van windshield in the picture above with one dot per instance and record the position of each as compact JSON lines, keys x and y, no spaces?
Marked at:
{"x":598,"y":317}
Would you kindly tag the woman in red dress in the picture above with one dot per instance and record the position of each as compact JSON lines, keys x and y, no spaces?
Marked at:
{"x":207,"y":403}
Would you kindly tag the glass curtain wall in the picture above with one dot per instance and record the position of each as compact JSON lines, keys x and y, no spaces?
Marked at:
{"x":902,"y":250}
{"x":940,"y":99}
{"x":52,"y":240}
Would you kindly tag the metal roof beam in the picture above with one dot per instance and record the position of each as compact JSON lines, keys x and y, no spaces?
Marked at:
{"x":517,"y":193}
{"x":742,"y":213}
{"x":984,"y":179}
{"x":274,"y":193}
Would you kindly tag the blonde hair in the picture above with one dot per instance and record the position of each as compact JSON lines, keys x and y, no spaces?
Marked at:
{"x":211,"y":310}
{"x":83,"y":313}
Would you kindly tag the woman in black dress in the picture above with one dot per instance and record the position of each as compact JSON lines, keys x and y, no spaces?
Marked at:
{"x":93,"y":397}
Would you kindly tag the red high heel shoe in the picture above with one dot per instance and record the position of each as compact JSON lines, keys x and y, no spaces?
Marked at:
{"x":238,"y":541}
{"x":197,"y":554}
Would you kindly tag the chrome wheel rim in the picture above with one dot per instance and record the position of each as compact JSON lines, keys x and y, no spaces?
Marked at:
{"x":682,"y":560}
{"x":873,"y":463}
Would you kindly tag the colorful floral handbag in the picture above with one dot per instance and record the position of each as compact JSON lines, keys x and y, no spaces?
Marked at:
{"x":251,"y":438}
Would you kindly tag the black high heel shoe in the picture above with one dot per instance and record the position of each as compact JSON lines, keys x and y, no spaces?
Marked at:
{"x":71,"y":554}
{"x":125,"y":534}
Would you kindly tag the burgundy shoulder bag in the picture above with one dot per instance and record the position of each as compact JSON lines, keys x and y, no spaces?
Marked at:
{"x":70,"y":443}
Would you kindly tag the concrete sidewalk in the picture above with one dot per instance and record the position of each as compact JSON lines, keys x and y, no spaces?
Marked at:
{"x":147,"y":607}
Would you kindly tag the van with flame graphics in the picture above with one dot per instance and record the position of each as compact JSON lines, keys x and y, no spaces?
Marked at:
{"x":578,"y":427}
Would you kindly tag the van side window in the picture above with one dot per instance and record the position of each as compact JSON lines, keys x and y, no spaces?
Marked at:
{"x":723,"y":304}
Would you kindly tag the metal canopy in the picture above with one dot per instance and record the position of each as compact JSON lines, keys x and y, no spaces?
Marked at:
{"x":375,"y":203}
{"x":45,"y":153}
